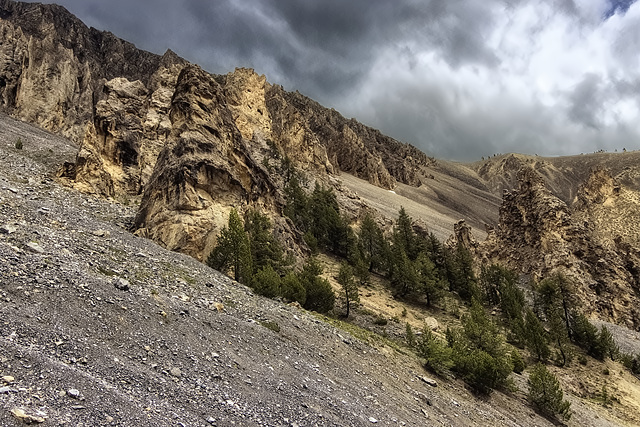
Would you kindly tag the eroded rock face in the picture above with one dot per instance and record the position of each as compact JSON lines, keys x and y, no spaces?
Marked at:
{"x":195,"y":145}
{"x":204,"y":171}
{"x":129,"y":129}
{"x":103,"y":93}
{"x":538,"y":234}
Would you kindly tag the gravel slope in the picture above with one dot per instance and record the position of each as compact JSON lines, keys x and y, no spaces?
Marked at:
{"x":99,"y":327}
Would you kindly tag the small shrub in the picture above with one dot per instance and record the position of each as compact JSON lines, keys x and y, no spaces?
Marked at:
{"x":19,"y":144}
{"x":435,"y":352}
{"x":518,"y":362}
{"x":605,"y":397}
{"x":410,"y":337}
{"x":292,"y":290}
{"x":269,"y":324}
{"x":631,"y":363}
{"x":320,"y":296}
{"x":380,"y":321}
{"x":266,"y":282}
{"x":582,"y":359}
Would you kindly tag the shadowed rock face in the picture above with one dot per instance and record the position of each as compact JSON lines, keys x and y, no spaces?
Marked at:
{"x":204,"y":171}
{"x":103,"y":93}
{"x":538,"y":234}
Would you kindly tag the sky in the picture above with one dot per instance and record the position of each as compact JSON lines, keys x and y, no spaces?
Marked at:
{"x":458,"y":79}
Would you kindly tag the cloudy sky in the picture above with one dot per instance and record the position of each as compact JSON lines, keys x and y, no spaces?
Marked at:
{"x":458,"y":79}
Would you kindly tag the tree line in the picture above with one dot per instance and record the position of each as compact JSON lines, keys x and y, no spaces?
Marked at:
{"x":419,"y":268}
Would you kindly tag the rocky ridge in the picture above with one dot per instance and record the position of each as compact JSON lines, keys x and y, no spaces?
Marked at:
{"x":128,"y":110}
{"x":539,"y":234}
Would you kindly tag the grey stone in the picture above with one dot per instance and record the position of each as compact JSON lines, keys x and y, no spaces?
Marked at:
{"x":122,"y":284}
{"x":35,"y":248}
{"x":8,"y":229}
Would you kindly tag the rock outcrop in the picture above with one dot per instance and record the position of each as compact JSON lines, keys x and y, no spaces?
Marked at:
{"x":204,"y":171}
{"x":193,"y":144}
{"x":539,"y":234}
{"x":100,"y":91}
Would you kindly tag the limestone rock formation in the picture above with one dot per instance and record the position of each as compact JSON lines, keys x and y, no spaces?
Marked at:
{"x":539,"y":234}
{"x":204,"y":171}
{"x":102,"y":92}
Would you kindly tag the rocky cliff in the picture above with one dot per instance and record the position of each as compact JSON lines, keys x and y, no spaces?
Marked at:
{"x":193,"y":144}
{"x":102,"y":92}
{"x":539,"y":234}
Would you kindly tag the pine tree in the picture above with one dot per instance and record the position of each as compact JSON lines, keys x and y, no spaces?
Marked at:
{"x":404,"y":278}
{"x":297,"y":204}
{"x":319,"y":294}
{"x":371,"y":243}
{"x":437,"y":355}
{"x":404,"y":234}
{"x":545,"y":393}
{"x":462,"y":279}
{"x":410,"y":337}
{"x":265,"y":249}
{"x":479,"y":353}
{"x":428,"y":280}
{"x":349,"y":285}
{"x":232,"y":251}
{"x":266,"y":282}
{"x":536,"y":337}
{"x":555,"y":297}
{"x":291,"y":288}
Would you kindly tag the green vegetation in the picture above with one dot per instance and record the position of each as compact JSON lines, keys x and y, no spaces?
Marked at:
{"x":545,"y":393}
{"x":250,"y":251}
{"x":19,"y":144}
{"x":349,"y":285}
{"x":480,"y":355}
{"x":436,"y":353}
{"x":418,"y":269}
{"x":269,"y":324}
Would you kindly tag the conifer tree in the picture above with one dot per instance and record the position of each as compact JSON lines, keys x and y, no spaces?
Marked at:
{"x":479,"y":353}
{"x":265,"y":249}
{"x":291,"y":288}
{"x":428,"y":281}
{"x":404,"y":234}
{"x":462,"y":279}
{"x":266,"y":282}
{"x":536,"y":336}
{"x":371,"y":243}
{"x":545,"y":393}
{"x":404,"y":278}
{"x":555,"y":297}
{"x":319,"y":294}
{"x":349,"y":285}
{"x":232,"y":251}
{"x":297,"y":204}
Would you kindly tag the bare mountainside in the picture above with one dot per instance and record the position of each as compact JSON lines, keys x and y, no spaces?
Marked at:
{"x":100,"y":327}
{"x":124,"y":118}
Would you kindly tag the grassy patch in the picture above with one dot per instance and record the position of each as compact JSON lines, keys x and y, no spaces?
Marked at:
{"x":362,"y":334}
{"x":106,"y":271}
{"x":269,"y":324}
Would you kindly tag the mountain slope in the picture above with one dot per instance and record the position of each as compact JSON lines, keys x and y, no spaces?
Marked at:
{"x":100,"y":327}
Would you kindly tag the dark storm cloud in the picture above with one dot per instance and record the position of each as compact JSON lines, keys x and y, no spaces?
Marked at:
{"x":458,"y":79}
{"x":587,"y":101}
{"x":319,"y":47}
